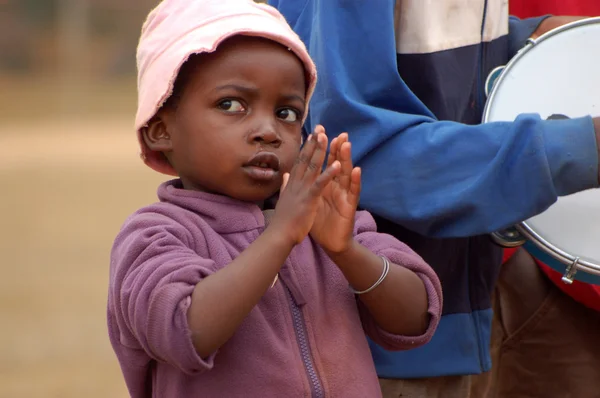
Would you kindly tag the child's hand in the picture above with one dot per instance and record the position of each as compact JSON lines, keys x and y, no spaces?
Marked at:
{"x":334,"y":224}
{"x":301,"y":190}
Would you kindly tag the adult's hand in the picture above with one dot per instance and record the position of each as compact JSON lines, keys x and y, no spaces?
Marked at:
{"x":552,"y":23}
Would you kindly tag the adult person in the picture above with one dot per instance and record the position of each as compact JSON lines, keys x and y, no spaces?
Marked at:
{"x":586,"y":294}
{"x":544,"y":331}
{"x":405,"y":78}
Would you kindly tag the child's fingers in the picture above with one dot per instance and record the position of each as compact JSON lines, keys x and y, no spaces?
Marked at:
{"x":286,"y":178}
{"x":332,"y":152}
{"x":343,"y":137}
{"x":303,"y":158}
{"x":319,"y":129}
{"x":325,"y":178}
{"x":345,"y":158}
{"x":355,"y":186}
{"x":341,"y":140}
{"x":315,"y":164}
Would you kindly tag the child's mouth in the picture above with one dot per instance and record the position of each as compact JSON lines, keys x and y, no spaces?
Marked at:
{"x":263,"y":166}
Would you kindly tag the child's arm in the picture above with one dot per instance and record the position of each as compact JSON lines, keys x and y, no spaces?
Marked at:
{"x":408,"y":300}
{"x":221,"y":301}
{"x":404,"y":310}
{"x":400,"y":303}
{"x":162,"y":291}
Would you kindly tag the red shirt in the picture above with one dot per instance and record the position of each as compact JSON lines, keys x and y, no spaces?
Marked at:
{"x":584,"y":293}
{"x":535,"y":8}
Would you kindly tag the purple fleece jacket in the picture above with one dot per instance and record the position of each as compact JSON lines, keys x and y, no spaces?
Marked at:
{"x":305,"y":338}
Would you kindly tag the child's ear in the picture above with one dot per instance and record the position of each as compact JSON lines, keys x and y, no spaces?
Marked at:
{"x":156,"y":135}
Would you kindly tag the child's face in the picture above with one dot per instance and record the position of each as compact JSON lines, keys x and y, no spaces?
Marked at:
{"x":237,"y":127}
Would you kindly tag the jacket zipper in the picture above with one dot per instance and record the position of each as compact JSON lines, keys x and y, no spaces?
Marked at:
{"x":316,"y":389}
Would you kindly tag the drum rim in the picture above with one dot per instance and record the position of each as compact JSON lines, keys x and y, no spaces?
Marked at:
{"x":531,"y":43}
{"x":523,"y":227}
{"x":557,"y":253}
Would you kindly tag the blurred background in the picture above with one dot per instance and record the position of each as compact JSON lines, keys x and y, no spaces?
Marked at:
{"x":69,"y":176}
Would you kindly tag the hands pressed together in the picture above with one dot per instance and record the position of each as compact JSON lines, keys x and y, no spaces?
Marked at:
{"x":320,"y":202}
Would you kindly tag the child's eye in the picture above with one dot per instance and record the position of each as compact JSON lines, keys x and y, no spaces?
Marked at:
{"x":288,"y":114}
{"x":233,"y":106}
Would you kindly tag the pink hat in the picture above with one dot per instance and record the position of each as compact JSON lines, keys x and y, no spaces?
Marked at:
{"x":176,"y":29}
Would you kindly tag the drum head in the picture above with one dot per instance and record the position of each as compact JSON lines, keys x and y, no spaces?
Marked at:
{"x":558,"y":75}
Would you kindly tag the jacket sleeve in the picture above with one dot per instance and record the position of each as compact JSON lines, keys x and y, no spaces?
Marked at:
{"x":519,"y":30}
{"x":400,"y":255}
{"x":437,"y":178}
{"x":153,"y":273}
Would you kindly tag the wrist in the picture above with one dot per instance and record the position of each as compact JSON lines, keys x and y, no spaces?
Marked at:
{"x":278,"y":238}
{"x":552,"y":22}
{"x":341,"y":256}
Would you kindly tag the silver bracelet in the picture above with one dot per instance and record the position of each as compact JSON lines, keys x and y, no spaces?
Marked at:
{"x":386,"y":269}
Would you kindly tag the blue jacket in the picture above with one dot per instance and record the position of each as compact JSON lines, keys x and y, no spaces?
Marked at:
{"x":406,"y":82}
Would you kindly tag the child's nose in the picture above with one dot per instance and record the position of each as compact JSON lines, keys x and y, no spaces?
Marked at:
{"x":266,"y":134}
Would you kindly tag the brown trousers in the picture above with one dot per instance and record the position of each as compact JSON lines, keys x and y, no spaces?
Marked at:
{"x":544,"y":345}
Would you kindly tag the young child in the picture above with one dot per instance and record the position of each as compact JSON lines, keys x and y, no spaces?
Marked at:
{"x":211,"y":293}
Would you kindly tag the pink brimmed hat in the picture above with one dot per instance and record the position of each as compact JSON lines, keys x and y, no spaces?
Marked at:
{"x":176,"y":29}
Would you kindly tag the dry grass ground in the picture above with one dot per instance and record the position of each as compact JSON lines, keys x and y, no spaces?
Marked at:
{"x":66,"y":187}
